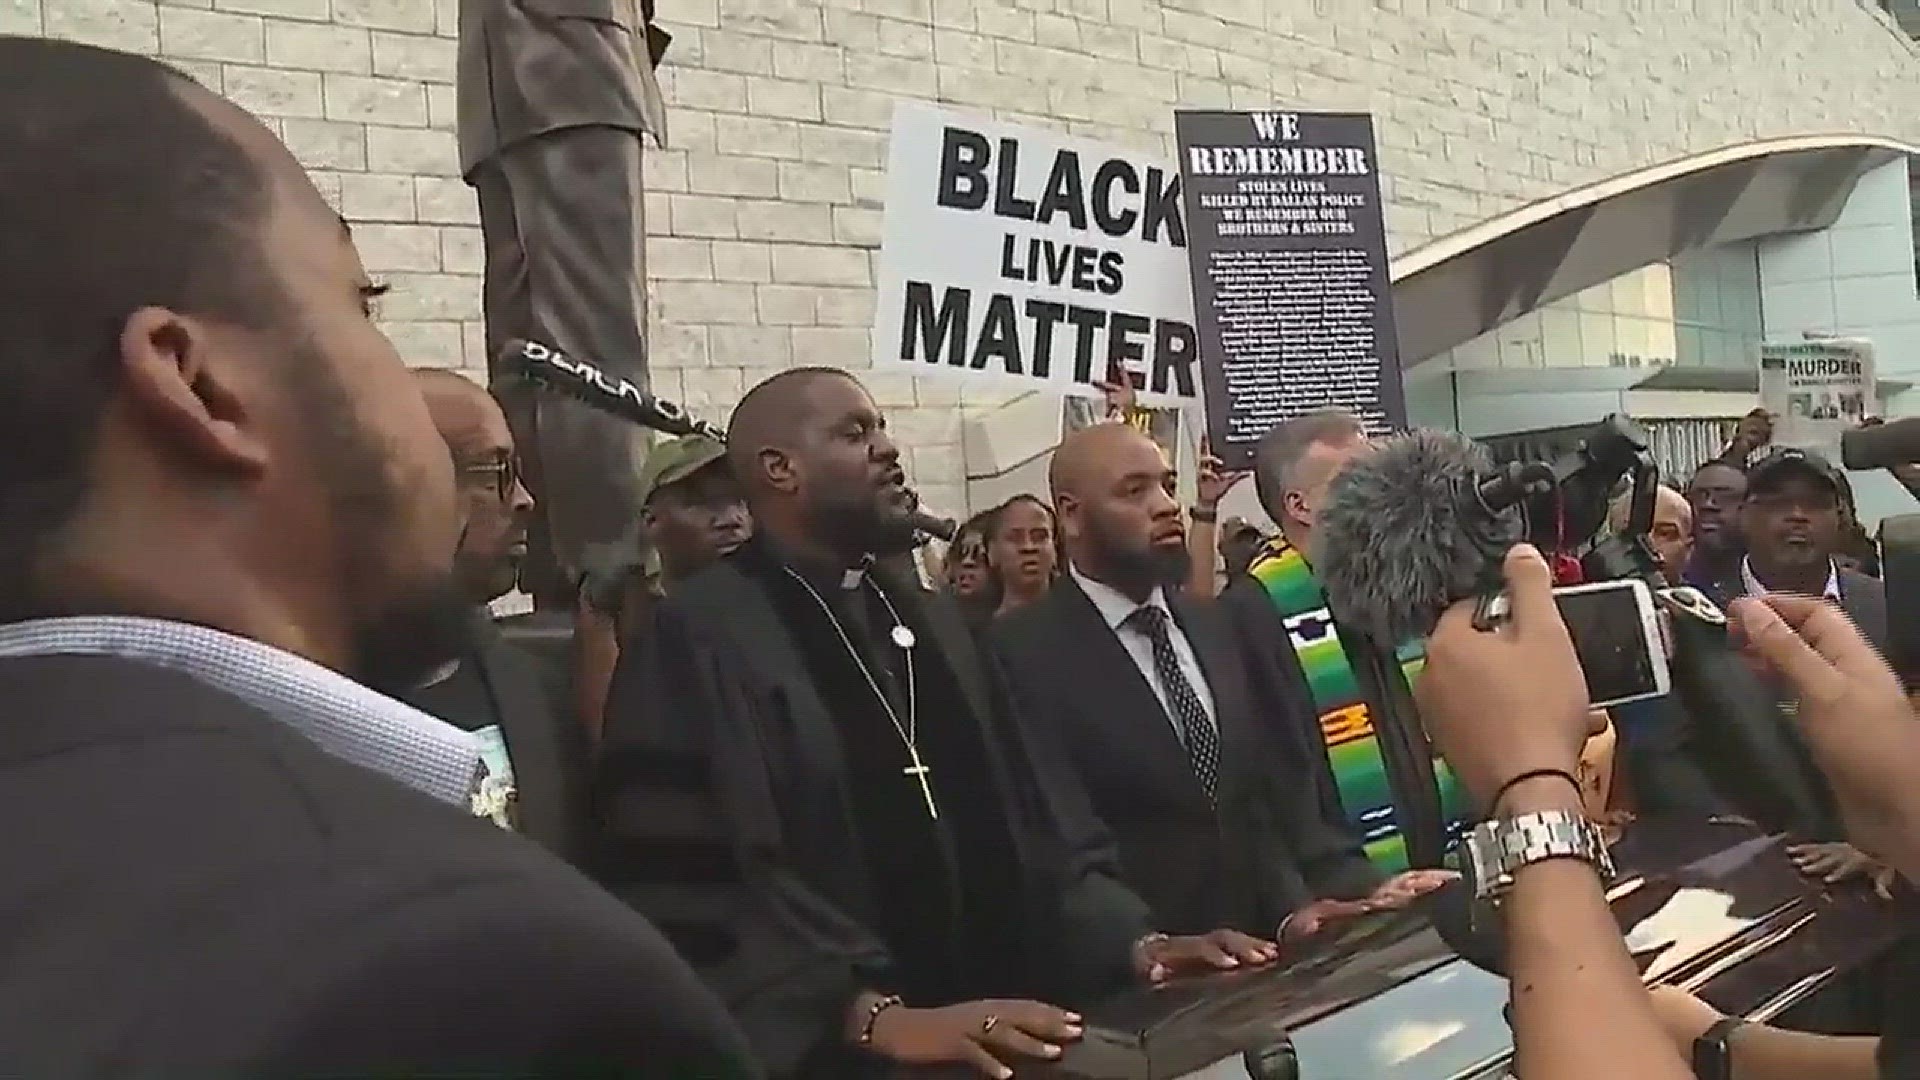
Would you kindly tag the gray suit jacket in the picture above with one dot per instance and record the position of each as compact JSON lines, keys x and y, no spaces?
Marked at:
{"x":530,"y":67}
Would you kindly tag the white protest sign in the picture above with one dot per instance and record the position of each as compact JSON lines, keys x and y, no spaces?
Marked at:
{"x":1032,"y":260}
{"x":1817,"y":389}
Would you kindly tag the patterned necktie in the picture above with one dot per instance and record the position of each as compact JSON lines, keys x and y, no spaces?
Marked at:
{"x":1196,"y":731}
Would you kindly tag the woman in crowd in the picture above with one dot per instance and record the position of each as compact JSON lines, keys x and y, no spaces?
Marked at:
{"x":967,"y":575}
{"x":1022,"y":550}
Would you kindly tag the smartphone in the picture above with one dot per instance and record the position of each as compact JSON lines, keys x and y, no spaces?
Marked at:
{"x":1616,"y":633}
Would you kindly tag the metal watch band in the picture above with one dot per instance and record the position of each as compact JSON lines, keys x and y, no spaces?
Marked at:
{"x":1502,"y":847}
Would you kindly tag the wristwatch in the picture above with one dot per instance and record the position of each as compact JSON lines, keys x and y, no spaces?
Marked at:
{"x":1712,"y":1056}
{"x":1496,"y":850}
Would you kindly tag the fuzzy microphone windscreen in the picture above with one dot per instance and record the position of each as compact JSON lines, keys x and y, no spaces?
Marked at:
{"x":1403,"y":535}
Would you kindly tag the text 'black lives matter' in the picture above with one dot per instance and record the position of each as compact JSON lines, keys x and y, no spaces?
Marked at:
{"x":1288,"y":256}
{"x":1077,"y":321}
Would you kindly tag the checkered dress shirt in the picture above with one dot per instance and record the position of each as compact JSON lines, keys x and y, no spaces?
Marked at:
{"x":340,"y":716}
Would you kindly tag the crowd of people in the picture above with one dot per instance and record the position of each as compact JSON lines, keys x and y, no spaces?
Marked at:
{"x":803,"y":804}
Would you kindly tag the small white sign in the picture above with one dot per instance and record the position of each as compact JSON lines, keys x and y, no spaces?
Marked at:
{"x":1817,"y":389}
{"x":1032,"y":260}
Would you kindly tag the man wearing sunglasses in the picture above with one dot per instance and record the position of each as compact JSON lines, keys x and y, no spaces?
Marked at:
{"x":497,"y":690}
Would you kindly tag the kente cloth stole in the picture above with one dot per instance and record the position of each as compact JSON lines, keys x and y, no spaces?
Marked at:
{"x":1359,"y":771}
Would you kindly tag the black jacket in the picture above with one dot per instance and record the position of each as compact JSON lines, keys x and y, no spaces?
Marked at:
{"x":192,"y":889}
{"x":1267,"y":850}
{"x":547,"y":744}
{"x":722,"y":795}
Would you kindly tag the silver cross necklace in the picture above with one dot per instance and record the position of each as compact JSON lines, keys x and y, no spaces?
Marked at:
{"x":903,"y":639}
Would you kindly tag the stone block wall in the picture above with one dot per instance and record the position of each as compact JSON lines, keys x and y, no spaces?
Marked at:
{"x":765,"y":209}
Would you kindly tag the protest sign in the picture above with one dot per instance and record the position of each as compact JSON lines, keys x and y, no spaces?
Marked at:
{"x":1817,"y":389}
{"x":1031,"y":260}
{"x":1288,"y":254}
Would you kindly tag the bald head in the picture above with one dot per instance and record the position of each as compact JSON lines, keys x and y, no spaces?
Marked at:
{"x":1670,"y":535}
{"x":1086,"y":459}
{"x":463,"y":411}
{"x":1113,"y":493}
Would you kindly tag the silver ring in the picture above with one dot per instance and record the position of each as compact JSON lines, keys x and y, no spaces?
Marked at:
{"x":987,"y":1025}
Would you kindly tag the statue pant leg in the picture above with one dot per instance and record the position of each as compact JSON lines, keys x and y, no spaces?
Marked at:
{"x":563,"y":220}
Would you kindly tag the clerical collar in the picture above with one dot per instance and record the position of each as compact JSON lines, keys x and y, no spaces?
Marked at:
{"x":821,"y":575}
{"x":1754,"y":587}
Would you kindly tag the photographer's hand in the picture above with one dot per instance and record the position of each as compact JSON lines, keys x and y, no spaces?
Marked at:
{"x":1511,"y":700}
{"x":1853,"y":715}
{"x":1498,"y":704}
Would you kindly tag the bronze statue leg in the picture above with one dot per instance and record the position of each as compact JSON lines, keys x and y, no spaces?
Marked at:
{"x":562,"y":216}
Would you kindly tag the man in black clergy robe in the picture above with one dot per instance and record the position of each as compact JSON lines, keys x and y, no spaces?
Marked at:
{"x":812,"y":782}
{"x":224,"y":516}
{"x":1218,"y":821}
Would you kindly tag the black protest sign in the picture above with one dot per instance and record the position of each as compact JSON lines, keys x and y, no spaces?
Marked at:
{"x":1288,"y":253}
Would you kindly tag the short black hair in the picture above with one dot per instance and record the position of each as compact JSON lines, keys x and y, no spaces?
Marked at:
{"x":997,"y":515}
{"x":770,"y":412}
{"x":116,"y":193}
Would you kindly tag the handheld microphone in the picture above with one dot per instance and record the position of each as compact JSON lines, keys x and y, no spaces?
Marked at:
{"x":1411,"y":530}
{"x":589,"y":383}
{"x":1881,"y":446}
{"x":586,"y":382}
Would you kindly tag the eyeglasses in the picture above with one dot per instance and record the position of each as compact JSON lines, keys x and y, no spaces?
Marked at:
{"x":504,"y":470}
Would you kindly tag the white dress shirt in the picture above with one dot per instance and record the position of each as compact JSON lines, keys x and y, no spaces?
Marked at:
{"x":1114,"y":608}
{"x":338,"y":715}
{"x":1755,"y":588}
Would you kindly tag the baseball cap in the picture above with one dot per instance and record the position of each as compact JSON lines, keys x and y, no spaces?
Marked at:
{"x":677,"y":459}
{"x":1781,"y":462}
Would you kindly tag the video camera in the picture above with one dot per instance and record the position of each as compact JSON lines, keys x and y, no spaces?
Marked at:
{"x":1736,"y":733}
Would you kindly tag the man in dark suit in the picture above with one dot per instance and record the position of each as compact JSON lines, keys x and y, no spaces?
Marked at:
{"x":223,"y":503}
{"x":1791,"y":518}
{"x":495,"y":690}
{"x":1218,"y":823}
{"x":555,"y":98}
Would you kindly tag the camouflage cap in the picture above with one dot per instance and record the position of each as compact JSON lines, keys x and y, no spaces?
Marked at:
{"x":675,"y":460}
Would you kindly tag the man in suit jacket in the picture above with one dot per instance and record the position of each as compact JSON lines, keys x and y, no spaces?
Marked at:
{"x":494,"y":689}
{"x":1218,"y":821}
{"x":224,"y":502}
{"x":555,"y":98}
{"x":1791,"y":518}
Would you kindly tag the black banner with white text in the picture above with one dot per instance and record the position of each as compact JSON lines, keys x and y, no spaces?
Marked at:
{"x":1288,"y":254}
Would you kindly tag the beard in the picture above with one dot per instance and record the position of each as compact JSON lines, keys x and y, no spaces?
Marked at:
{"x":403,"y":623}
{"x":861,"y":524}
{"x":1136,"y":563}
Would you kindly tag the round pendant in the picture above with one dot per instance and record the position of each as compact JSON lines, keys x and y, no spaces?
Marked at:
{"x":903,"y":637}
